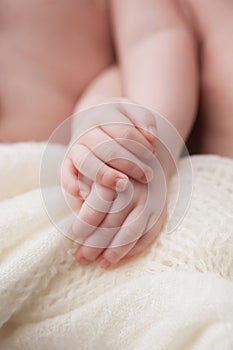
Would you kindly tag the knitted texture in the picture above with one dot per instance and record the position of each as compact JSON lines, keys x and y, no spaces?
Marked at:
{"x":176,"y":295}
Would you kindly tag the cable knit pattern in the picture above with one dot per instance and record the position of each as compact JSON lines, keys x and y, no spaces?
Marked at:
{"x":176,"y":295}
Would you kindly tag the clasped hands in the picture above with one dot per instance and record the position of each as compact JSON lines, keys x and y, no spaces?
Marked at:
{"x":111,"y":166}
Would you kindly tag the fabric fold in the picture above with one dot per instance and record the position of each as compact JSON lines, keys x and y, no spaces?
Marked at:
{"x":176,"y":295}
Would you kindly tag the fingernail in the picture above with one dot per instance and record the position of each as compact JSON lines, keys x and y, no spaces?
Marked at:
{"x":104,"y":263}
{"x":121,"y":185}
{"x":83,"y":261}
{"x":148,"y":175}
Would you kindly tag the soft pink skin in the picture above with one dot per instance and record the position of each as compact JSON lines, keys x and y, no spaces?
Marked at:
{"x":45,"y":69}
{"x":168,"y":72}
{"x":133,"y":222}
{"x":108,"y":149}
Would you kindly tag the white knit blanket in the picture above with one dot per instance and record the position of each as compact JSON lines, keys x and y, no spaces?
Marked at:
{"x":177,"y":295}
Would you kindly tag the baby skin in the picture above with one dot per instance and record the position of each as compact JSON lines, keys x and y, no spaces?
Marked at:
{"x":105,"y":159}
{"x":63,"y":58}
{"x":110,"y":237}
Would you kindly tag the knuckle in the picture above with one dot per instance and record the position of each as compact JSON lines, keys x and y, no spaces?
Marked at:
{"x":79,"y":154}
{"x":68,"y":186}
{"x":89,"y":216}
{"x":77,"y":161}
{"x":133,"y":170}
{"x":101,"y":175}
{"x":106,"y":176}
{"x":110,"y":153}
{"x":128,"y":132}
{"x":149,"y":118}
{"x":130,"y":235}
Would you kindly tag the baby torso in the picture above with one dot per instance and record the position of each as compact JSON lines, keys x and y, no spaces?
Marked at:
{"x":49,"y":52}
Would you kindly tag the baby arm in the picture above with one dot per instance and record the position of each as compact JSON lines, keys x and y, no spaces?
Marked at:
{"x":106,"y":87}
{"x":158,"y":61}
{"x":158,"y":67}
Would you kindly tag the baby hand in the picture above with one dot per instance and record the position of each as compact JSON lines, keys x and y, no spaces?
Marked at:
{"x":132,"y":221}
{"x":110,"y":142}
